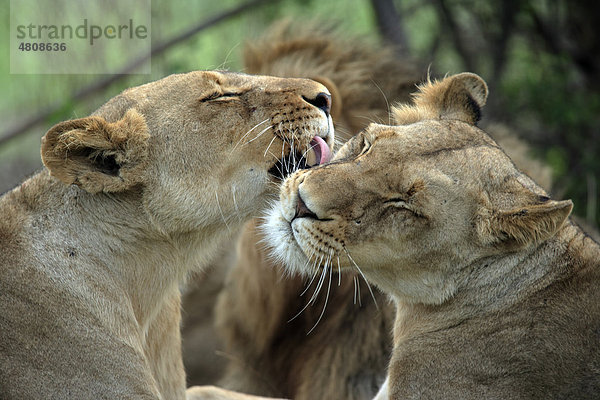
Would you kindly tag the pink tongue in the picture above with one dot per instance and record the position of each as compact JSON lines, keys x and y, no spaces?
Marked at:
{"x":321,"y":149}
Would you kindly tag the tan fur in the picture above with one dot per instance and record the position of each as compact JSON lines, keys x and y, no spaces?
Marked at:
{"x":126,"y":140}
{"x":521,"y":153}
{"x":265,"y":353}
{"x":96,"y":246}
{"x":269,"y":347}
{"x":496,"y":292}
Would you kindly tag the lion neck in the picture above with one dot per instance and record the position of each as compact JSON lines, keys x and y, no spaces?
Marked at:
{"x":113,"y":235}
{"x":492,"y":284}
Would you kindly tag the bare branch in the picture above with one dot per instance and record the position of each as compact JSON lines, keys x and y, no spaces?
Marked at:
{"x":449,"y":20}
{"x":390,"y":26}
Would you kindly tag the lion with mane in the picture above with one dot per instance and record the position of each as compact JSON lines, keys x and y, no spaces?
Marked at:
{"x":265,"y":343}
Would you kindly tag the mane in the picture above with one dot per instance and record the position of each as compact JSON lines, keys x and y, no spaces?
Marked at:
{"x":368,"y":77}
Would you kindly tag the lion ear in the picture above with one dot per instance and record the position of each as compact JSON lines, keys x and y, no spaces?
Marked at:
{"x":457,"y":97}
{"x":98,"y":155}
{"x":336,"y":97}
{"x":522,"y":226}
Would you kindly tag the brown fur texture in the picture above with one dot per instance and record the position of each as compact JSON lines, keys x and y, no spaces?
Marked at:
{"x":202,"y":346}
{"x":496,"y":292}
{"x":280,"y":351}
{"x":363,"y":78}
{"x":265,"y":353}
{"x":521,"y":153}
{"x":96,"y":246}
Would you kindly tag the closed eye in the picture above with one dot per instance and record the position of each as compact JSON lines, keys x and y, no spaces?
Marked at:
{"x":221,"y":96}
{"x":396,"y":201}
{"x":401,"y":203}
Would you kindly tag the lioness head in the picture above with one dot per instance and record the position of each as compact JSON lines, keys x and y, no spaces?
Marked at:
{"x":198,"y":146}
{"x":414,"y":205}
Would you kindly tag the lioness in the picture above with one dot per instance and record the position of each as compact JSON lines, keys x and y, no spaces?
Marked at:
{"x":95,"y":247}
{"x":268,"y":351}
{"x":496,"y":291}
{"x":261,"y":318}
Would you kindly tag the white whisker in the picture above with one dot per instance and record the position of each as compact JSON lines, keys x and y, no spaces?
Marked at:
{"x":272,"y":140}
{"x":306,"y":151}
{"x":310,"y":282}
{"x":224,"y":63}
{"x":339,"y":271}
{"x":299,"y":312}
{"x":319,"y":284}
{"x":293,"y":152}
{"x":276,"y":166}
{"x":235,"y":205}
{"x":359,"y":296}
{"x":259,"y":135}
{"x":386,"y":102}
{"x":247,"y":133}
{"x":372,"y":119}
{"x":314,"y":295}
{"x":326,"y":300}
{"x":283,"y":161}
{"x":363,"y":276}
{"x":221,"y":211}
{"x":292,"y":159}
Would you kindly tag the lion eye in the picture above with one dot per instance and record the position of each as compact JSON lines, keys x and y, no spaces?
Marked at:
{"x":396,"y":201}
{"x":220,"y":96}
{"x":232,"y":94}
{"x":401,"y":204}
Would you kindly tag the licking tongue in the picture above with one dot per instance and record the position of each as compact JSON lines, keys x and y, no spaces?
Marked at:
{"x":318,"y":153}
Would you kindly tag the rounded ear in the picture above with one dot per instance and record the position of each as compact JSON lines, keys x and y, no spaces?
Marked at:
{"x":522,"y":226}
{"x":468,"y":87}
{"x":458,"y":97}
{"x":461,"y":97}
{"x":98,"y":155}
{"x":336,"y":97}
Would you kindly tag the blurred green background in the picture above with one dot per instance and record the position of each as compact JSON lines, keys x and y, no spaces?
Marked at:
{"x":540,"y":58}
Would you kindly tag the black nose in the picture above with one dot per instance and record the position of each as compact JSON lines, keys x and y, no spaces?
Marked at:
{"x":322,"y":101}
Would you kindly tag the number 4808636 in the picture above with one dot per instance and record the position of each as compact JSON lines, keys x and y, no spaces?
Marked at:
{"x":42,"y":46}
